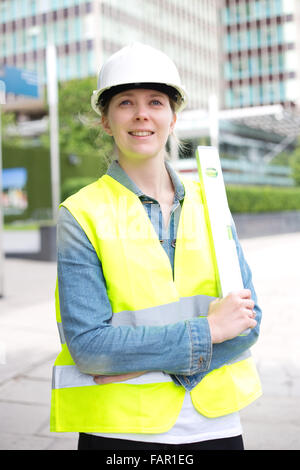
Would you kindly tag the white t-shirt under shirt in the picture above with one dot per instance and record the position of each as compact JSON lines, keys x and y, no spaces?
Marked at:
{"x":190,"y":426}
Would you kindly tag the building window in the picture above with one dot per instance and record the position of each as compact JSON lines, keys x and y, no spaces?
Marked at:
{"x":32,"y":7}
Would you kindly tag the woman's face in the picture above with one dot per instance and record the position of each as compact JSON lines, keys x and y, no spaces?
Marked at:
{"x":140,"y":121}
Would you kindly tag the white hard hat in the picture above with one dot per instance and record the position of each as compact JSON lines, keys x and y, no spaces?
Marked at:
{"x":139,"y":66}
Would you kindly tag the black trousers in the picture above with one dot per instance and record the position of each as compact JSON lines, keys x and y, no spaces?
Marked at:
{"x":90,"y":442}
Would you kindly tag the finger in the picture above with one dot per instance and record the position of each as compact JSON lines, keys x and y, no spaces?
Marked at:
{"x":101,"y":379}
{"x":245,"y":293}
{"x":248,"y":303}
{"x":252,"y":314}
{"x":107,"y":379}
{"x":253,"y":324}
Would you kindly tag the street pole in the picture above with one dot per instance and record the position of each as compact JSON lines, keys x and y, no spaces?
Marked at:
{"x":2,"y":101}
{"x":52,"y":93}
{"x":213,"y":110}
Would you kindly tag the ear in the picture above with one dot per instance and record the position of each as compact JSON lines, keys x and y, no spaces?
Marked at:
{"x":173,"y":122}
{"x":105,"y":125}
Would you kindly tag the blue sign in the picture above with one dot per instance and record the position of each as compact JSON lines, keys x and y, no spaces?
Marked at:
{"x":14,"y":177}
{"x":19,"y":81}
{"x":14,"y":194}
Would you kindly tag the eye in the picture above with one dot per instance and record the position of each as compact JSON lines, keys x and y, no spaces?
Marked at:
{"x":125,"y":102}
{"x":156,"y":102}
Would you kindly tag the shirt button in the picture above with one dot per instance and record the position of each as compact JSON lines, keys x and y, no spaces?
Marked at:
{"x":200,"y":361}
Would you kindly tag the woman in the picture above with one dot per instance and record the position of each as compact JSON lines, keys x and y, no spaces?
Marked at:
{"x":151,"y":357}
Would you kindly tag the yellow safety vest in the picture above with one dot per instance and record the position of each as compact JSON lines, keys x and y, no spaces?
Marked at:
{"x":125,"y":240}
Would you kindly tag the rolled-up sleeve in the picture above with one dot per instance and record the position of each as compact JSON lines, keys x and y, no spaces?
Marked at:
{"x":96,"y":346}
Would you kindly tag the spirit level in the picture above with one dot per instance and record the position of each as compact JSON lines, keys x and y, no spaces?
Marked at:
{"x":219,"y":220}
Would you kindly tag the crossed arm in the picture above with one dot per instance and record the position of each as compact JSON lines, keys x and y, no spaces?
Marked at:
{"x":117,"y":354}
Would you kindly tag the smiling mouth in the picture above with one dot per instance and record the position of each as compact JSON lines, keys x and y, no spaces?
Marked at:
{"x":141,"y":133}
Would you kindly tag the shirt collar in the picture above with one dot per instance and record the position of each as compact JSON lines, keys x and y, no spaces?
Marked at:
{"x":117,"y":172}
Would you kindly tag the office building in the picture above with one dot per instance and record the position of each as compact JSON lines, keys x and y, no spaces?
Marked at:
{"x":261,"y":52}
{"x":86,"y":32}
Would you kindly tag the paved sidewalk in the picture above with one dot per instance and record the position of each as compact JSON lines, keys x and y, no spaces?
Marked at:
{"x":29,"y":344}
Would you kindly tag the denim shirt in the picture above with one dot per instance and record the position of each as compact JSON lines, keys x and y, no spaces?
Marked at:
{"x":183,"y":350}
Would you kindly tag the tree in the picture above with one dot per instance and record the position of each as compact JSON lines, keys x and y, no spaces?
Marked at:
{"x":8,"y":126}
{"x":295,"y":165}
{"x":80,"y":132}
{"x":290,"y":159}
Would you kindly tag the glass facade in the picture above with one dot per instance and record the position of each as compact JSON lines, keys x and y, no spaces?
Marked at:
{"x":260,"y":52}
{"x":86,"y":32}
{"x":187,"y":30}
{"x":27,"y":26}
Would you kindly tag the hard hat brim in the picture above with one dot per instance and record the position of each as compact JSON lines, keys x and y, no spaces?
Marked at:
{"x":179,"y":105}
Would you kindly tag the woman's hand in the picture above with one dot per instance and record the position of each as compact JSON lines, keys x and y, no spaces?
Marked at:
{"x":227,"y":318}
{"x":108,"y":379}
{"x":230,"y":316}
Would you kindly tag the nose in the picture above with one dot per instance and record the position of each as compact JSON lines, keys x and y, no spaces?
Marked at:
{"x":141,"y":113}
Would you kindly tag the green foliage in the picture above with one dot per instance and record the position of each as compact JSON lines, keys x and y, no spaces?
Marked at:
{"x":80,"y":134}
{"x":241,"y":199}
{"x":282,"y":159}
{"x":38,"y":188}
{"x":80,"y":131}
{"x":295,"y":165}
{"x":291,"y":159}
{"x":255,"y":199}
{"x":8,"y":120}
{"x":72,"y":185}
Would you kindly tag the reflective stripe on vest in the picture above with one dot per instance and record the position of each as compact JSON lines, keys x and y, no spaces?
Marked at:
{"x":70,"y":376}
{"x":125,"y":241}
{"x":183,"y":309}
{"x":61,"y":333}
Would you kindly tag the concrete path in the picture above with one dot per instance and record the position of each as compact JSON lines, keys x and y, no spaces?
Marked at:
{"x":29,"y":344}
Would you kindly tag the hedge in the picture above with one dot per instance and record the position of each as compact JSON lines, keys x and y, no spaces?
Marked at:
{"x":254,"y":199}
{"x":37,"y":162}
{"x":72,"y":185}
{"x":241,"y":199}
